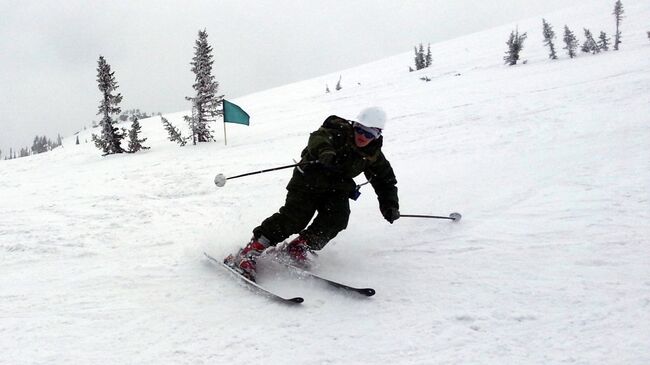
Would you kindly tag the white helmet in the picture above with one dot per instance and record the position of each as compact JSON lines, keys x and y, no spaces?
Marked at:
{"x":374,"y":117}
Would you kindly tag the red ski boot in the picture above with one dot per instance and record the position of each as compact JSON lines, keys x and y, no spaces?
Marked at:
{"x":244,"y":261}
{"x":297,"y":252}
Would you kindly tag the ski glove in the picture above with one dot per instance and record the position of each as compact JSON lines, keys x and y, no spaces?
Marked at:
{"x":390,"y":214}
{"x":327,"y":159}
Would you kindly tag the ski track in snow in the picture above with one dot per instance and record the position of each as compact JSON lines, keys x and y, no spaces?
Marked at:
{"x":548,"y":162}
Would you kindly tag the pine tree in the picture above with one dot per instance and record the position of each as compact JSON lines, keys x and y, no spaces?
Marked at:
{"x":618,"y":13}
{"x":515,"y":45}
{"x":327,"y":89}
{"x":428,"y":59}
{"x":570,"y":41}
{"x":205,"y":105}
{"x":77,"y":142}
{"x":418,"y":65}
{"x":174,"y":133}
{"x":420,"y":57}
{"x":110,"y":139}
{"x":603,"y":42}
{"x":135,"y":144}
{"x":338,"y":84}
{"x":549,"y":35}
{"x":590,"y":44}
{"x":38,"y":146}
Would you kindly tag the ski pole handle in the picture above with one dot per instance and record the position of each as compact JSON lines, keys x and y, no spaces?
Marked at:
{"x":220,"y":179}
{"x":453,"y":216}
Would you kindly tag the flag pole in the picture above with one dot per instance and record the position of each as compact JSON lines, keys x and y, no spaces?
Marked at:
{"x":225,"y":139}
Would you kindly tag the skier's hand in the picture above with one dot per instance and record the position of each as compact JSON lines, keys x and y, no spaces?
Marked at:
{"x":390,"y":214}
{"x":328,"y":160}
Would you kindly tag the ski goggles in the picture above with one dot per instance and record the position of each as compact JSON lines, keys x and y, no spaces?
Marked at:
{"x":369,"y":133}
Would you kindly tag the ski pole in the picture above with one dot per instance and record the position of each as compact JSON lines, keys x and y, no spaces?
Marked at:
{"x":453,"y":216}
{"x":220,"y":179}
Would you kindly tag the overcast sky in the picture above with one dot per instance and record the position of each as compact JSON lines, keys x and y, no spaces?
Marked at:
{"x":49,"y":48}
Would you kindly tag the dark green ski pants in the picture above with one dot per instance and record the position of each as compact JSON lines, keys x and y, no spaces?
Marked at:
{"x":333,"y":213}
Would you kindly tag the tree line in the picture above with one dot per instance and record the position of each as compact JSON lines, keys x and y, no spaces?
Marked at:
{"x":590,"y":45}
{"x":41,"y":144}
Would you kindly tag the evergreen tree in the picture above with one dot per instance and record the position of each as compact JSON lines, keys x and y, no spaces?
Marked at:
{"x":570,"y":41}
{"x":590,"y":44}
{"x":420,"y":58}
{"x":603,"y":41}
{"x":39,"y":145}
{"x":338,"y":84}
{"x":549,"y":35}
{"x":205,"y":105}
{"x":110,"y":139}
{"x":174,"y":133}
{"x":428,"y":59}
{"x":515,"y":45}
{"x":135,"y":144}
{"x":77,"y":142}
{"x":418,"y":64}
{"x":327,"y":89}
{"x":618,"y":13}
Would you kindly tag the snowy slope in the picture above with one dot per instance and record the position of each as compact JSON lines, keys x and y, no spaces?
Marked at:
{"x":549,"y":163}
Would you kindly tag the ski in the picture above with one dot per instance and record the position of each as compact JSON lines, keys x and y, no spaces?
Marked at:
{"x":363,"y":291}
{"x":256,"y":286}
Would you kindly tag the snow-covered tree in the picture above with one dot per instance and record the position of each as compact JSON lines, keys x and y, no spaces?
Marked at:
{"x":419,"y":62}
{"x":135,"y":144}
{"x":40,"y":144}
{"x":206,"y":103}
{"x":428,"y":59}
{"x":338,"y":84}
{"x":618,"y":13}
{"x":422,"y":60}
{"x":570,"y":41}
{"x":603,"y":41}
{"x":174,"y":133}
{"x":549,"y":36}
{"x":590,"y":45}
{"x":111,"y":136}
{"x":515,"y":45}
{"x":327,"y":89}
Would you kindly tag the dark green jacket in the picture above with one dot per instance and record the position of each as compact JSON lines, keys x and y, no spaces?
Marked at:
{"x":336,"y":135}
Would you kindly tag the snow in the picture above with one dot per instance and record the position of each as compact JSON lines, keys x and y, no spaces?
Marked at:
{"x":548,"y":161}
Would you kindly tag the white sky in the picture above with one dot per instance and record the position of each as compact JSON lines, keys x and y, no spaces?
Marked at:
{"x":49,"y":48}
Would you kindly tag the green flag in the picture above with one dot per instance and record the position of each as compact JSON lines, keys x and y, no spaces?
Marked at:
{"x":234,"y":114}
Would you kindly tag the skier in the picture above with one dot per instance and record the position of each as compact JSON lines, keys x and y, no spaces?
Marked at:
{"x":339,"y":150}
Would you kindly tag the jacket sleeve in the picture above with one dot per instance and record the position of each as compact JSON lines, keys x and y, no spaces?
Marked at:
{"x":326,"y":139}
{"x":382,"y":178}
